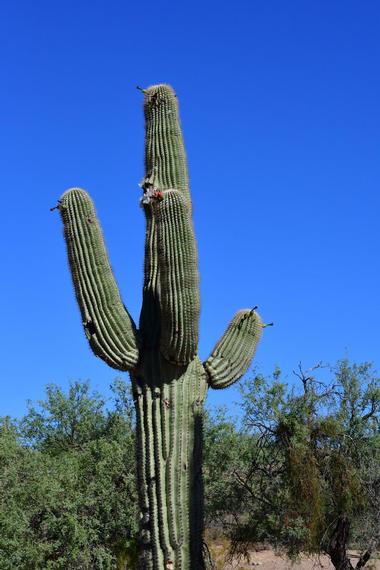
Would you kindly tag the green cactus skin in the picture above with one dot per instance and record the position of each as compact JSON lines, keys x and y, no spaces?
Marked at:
{"x":169,"y":381}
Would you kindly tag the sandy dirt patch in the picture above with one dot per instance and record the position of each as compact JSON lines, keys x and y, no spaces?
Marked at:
{"x":270,"y":560}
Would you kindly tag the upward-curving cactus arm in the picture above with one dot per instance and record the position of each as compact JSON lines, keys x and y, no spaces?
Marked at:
{"x":179,"y":282}
{"x":108,"y":326}
{"x":233,"y":353}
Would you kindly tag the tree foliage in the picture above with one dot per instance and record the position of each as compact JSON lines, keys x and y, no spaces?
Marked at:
{"x":301,"y":472}
{"x":226,"y":453}
{"x":312,"y":481}
{"x":67,"y":488}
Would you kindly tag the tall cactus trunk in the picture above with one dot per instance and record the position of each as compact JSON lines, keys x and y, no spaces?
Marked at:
{"x":169,"y":381}
{"x":169,"y":403}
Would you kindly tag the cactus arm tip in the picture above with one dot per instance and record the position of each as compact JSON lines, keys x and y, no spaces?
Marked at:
{"x":233,"y":353}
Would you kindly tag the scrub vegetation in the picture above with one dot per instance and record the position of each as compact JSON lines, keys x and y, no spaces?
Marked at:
{"x":298,"y":471}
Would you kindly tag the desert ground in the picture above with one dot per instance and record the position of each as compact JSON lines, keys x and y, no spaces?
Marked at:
{"x":268,"y":559}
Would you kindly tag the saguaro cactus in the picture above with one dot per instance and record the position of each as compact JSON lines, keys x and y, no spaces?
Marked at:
{"x":169,"y":380}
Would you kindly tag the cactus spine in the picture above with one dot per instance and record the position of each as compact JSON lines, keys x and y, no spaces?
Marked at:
{"x":169,"y":381}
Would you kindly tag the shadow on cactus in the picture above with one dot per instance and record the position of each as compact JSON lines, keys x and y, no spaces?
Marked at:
{"x":169,"y":381}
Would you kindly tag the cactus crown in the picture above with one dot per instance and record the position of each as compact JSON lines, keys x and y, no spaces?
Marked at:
{"x":165,"y":158}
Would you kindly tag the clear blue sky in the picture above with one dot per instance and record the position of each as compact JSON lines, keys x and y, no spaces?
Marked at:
{"x":280,"y":112}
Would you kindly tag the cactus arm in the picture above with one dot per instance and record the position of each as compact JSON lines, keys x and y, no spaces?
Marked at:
{"x":108,"y":326}
{"x":234,"y":351}
{"x":179,"y":282}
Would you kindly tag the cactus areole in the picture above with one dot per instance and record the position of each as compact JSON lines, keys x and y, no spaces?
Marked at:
{"x":169,"y":381}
